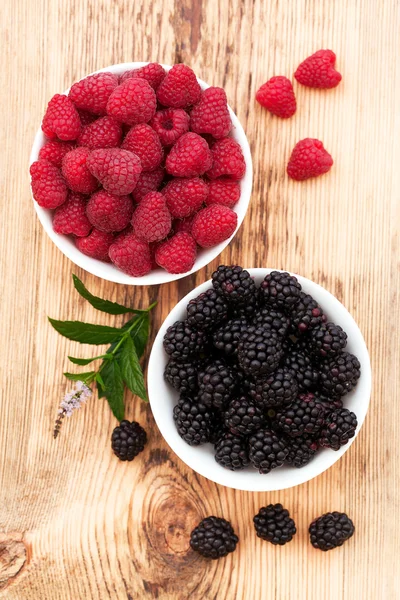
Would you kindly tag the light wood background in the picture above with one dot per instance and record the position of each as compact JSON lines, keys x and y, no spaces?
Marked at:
{"x":77,"y":524}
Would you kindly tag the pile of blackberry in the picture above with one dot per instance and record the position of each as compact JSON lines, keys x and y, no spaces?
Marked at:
{"x":261,"y":373}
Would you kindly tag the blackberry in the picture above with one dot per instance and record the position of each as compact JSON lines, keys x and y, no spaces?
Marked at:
{"x":328,"y":402}
{"x":301,"y":450}
{"x":266,"y":450}
{"x":193,"y":421}
{"x":128,"y":440}
{"x":231,"y":452}
{"x":243,"y":417}
{"x":182,"y":341}
{"x":300,"y":365}
{"x":305,"y":315}
{"x":327,"y":340}
{"x":226,"y":338}
{"x":275,"y":319}
{"x":213,"y":538}
{"x":234,"y":283}
{"x":182,"y":375}
{"x":207,"y":310}
{"x":273,"y":524}
{"x":330,"y":531}
{"x":216,"y":384}
{"x":305,"y":415}
{"x":280,"y":289}
{"x":340,"y":426}
{"x":339,"y":375}
{"x":259,"y":351}
{"x":279,"y":388}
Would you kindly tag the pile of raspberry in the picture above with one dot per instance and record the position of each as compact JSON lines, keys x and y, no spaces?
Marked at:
{"x":140,"y":168}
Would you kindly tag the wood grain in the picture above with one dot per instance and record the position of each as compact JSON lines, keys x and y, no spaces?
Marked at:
{"x":76,"y":523}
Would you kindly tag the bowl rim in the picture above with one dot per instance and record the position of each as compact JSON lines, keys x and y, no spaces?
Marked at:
{"x":109,"y":272}
{"x":158,"y":391}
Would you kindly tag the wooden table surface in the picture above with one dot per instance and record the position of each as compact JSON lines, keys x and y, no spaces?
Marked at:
{"x":77,"y":524}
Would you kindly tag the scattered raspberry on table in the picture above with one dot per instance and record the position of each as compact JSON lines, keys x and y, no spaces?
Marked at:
{"x":308,"y":159}
{"x":318,"y":70}
{"x":277,"y":96}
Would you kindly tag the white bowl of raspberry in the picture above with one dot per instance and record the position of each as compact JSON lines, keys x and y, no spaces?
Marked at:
{"x":176,"y":252}
{"x":164,"y":396}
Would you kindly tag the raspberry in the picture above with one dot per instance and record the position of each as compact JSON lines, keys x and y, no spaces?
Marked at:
{"x":178,"y":254}
{"x":70,"y":217}
{"x":170,"y":124}
{"x":189,"y":157}
{"x":61,"y":119}
{"x":151,"y":220}
{"x":308,"y":159}
{"x":48,"y":185}
{"x":102,"y":133}
{"x":317,"y":71}
{"x":109,"y":212}
{"x":184,"y":225}
{"x":54,"y":151}
{"x":143,"y":141}
{"x":76,"y":172}
{"x":86,"y":117}
{"x":213,"y":225}
{"x":92,"y":92}
{"x":149,"y":181}
{"x":185,"y":196}
{"x":117,"y":170}
{"x":277,"y":96}
{"x":131,"y":255}
{"x":223,"y":191}
{"x":179,"y":88}
{"x":96,"y":244}
{"x":228,"y":160}
{"x":153,"y":73}
{"x":132,"y":102}
{"x":211,"y":114}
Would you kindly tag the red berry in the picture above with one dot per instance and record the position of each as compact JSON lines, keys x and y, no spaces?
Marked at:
{"x":76,"y":172}
{"x":109,"y":212}
{"x":145,"y":143}
{"x":278,"y":97}
{"x":228,"y":160}
{"x":131,"y":255}
{"x":117,"y":170}
{"x":189,"y":157}
{"x":96,"y":244}
{"x":223,"y":191}
{"x":185,"y":196}
{"x":48,"y":185}
{"x":86,"y":117}
{"x":102,"y":133}
{"x":308,"y":159}
{"x":179,"y":88}
{"x":213,"y":225}
{"x":70,"y":218}
{"x":151,"y":220}
{"x":153,"y":73}
{"x":170,"y":124}
{"x":92,"y":92}
{"x":178,"y":254}
{"x":211,"y":114}
{"x":149,"y":181}
{"x":132,"y":102}
{"x":184,"y":225}
{"x":61,"y":119}
{"x":54,"y":151}
{"x":318,"y":70}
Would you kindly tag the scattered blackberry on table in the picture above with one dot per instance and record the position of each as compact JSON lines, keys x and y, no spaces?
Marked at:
{"x":182,"y":375}
{"x":242,"y":417}
{"x":327,"y":340}
{"x":181,"y":340}
{"x":128,"y":440}
{"x":234,"y":283}
{"x":216,"y":384}
{"x":207,"y":310}
{"x":213,"y":538}
{"x":231,"y":452}
{"x":274,"y":524}
{"x":193,"y":420}
{"x":301,"y":366}
{"x":259,"y":351}
{"x":280,"y":289}
{"x":305,"y":415}
{"x":339,"y":375}
{"x":226,"y":338}
{"x":277,"y":389}
{"x":330,"y":531}
{"x":340,"y":426}
{"x":301,"y":450}
{"x":266,"y":450}
{"x":306,"y":315}
{"x":275,"y":319}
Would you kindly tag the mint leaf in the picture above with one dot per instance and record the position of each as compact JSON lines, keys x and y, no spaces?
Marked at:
{"x":140,"y":334}
{"x":85,"y":377}
{"x":114,"y":388}
{"x":86,"y":361}
{"x":86,"y":333}
{"x":99,"y":380}
{"x":131,"y":370}
{"x":112,"y":308}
